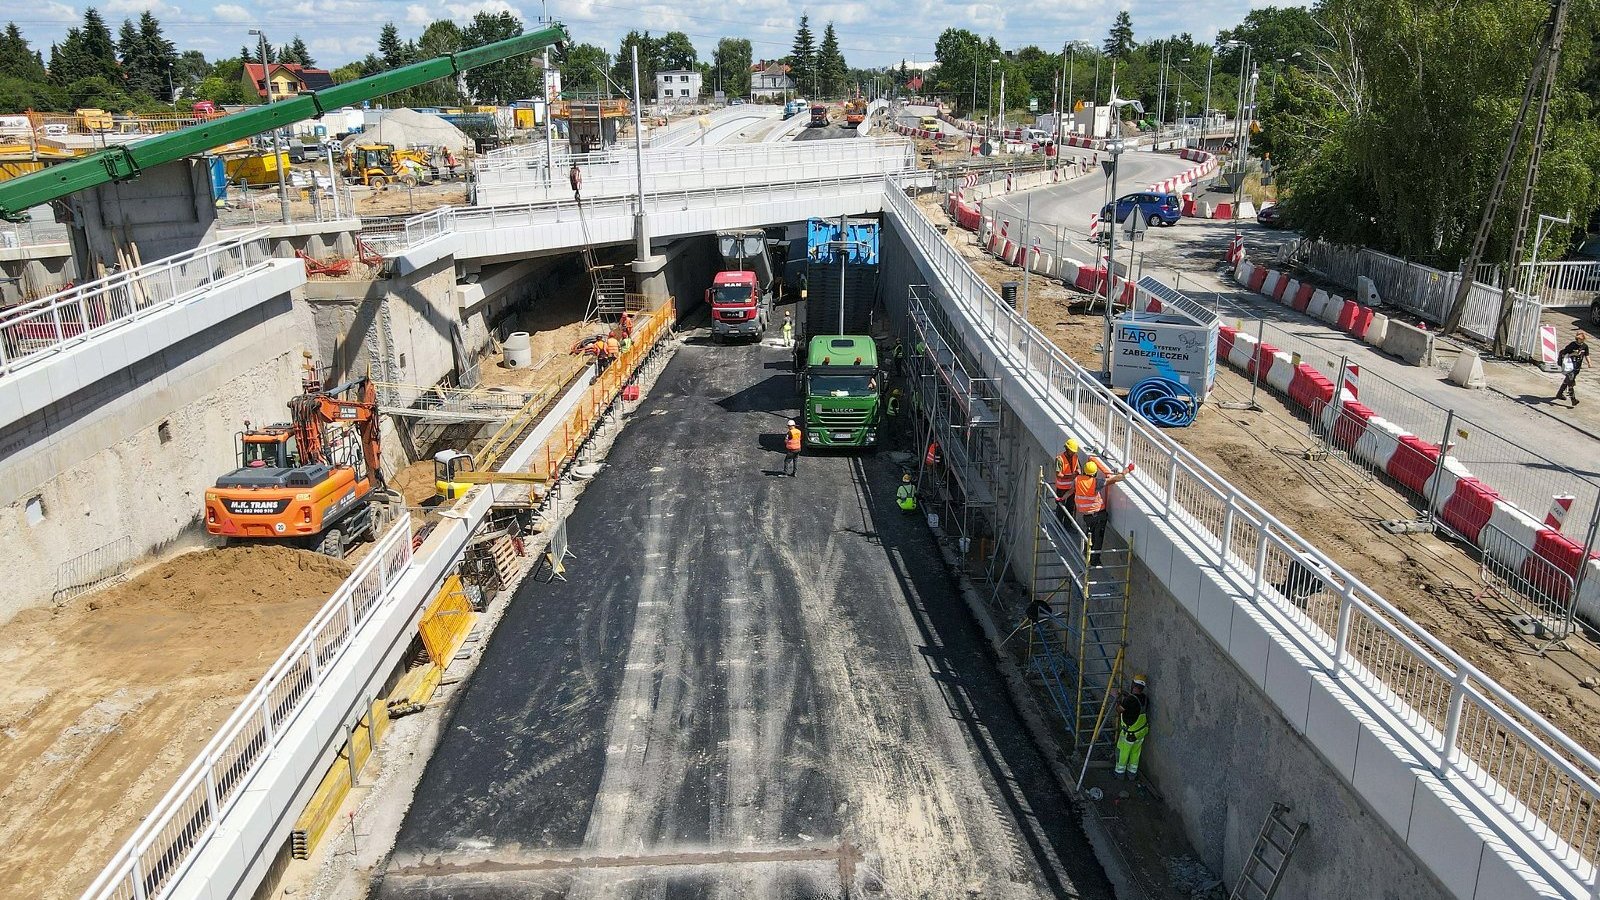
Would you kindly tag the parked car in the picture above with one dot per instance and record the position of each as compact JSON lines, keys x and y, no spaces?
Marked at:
{"x":1272,"y":217}
{"x":1160,"y":209}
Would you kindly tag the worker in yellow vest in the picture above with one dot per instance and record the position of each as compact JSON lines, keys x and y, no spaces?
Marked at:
{"x":905,"y":496}
{"x":1133,"y":724}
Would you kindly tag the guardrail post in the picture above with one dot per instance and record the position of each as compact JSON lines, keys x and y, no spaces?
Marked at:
{"x":1341,"y":635}
{"x":136,"y":875}
{"x":1227,"y":534}
{"x":1261,"y":562}
{"x":1452,"y":720}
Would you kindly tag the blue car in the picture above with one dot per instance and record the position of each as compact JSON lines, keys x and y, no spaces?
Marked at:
{"x":1157,"y":209}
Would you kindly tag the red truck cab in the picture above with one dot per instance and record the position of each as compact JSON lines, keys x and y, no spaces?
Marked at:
{"x":738,"y":305}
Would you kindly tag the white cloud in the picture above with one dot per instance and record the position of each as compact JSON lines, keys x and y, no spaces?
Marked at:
{"x":228,"y":12}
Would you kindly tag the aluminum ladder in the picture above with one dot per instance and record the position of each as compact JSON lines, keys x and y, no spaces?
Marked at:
{"x":1270,"y":856}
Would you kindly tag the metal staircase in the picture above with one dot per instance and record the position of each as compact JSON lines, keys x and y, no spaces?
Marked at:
{"x":1264,"y":869}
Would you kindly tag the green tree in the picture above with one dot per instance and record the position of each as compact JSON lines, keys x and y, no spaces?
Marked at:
{"x":297,"y":52}
{"x":504,"y":81}
{"x":371,"y":64}
{"x":582,"y":72}
{"x":730,"y":65}
{"x":1119,"y":43}
{"x":1272,"y":33}
{"x":674,"y":50}
{"x":17,"y":59}
{"x":442,"y":36}
{"x":1390,"y":139}
{"x":649,"y":63}
{"x":30,"y":94}
{"x":831,"y":68}
{"x":803,"y":58}
{"x":147,"y":58}
{"x":86,"y":52}
{"x":394,"y":51}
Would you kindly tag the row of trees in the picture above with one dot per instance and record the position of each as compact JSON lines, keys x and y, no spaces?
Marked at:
{"x":819,"y":71}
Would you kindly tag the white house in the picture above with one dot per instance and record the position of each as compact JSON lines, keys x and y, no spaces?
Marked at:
{"x":678,"y":86}
{"x":770,"y":81}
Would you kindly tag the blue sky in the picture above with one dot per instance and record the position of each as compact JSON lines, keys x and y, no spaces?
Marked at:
{"x":340,"y":30}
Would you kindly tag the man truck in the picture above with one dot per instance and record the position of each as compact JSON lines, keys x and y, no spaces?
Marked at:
{"x":819,"y":115}
{"x":741,"y":296}
{"x":841,"y":386}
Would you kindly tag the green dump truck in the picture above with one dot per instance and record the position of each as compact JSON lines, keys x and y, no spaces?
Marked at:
{"x":843,"y":392}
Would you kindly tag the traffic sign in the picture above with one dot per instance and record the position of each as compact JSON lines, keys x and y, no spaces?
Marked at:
{"x":1135,"y":225}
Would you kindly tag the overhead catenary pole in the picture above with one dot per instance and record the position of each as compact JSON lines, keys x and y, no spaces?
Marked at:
{"x":277,"y":132}
{"x":549,"y":125}
{"x":1027,"y":262}
{"x":640,"y":230}
{"x":1543,"y":67}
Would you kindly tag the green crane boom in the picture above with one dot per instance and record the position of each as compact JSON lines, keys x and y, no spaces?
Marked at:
{"x":127,"y":161}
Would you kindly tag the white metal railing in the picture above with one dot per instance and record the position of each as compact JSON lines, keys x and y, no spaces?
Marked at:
{"x":610,"y":173}
{"x":1426,"y":291}
{"x":1558,"y":282}
{"x":447,"y":220}
{"x":39,"y":328}
{"x":1484,"y":740}
{"x":184,"y":820}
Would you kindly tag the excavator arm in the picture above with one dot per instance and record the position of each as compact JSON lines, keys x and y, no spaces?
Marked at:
{"x":126,"y":161}
{"x":354,"y":403}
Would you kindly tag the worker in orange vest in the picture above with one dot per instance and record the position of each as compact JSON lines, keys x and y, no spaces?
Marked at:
{"x":791,"y":449}
{"x":1068,"y":462}
{"x":1089,"y":499}
{"x":626,"y":324}
{"x":613,"y":346}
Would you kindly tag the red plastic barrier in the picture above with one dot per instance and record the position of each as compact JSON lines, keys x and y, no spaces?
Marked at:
{"x":1351,"y":424}
{"x":1224,"y":211}
{"x":1258,"y":277}
{"x":1224,"y":341}
{"x":1302,"y":297}
{"x":1413,"y":462}
{"x":1347,"y":316}
{"x":1089,"y":278}
{"x":1363,"y":321}
{"x":1301,"y":387}
{"x":1263,"y":357}
{"x":1554,"y":555}
{"x":1283,"y":285}
{"x":1188,"y":204}
{"x":1469,"y":507}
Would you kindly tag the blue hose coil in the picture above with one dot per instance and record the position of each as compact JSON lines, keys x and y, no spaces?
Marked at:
{"x":1164,"y":402}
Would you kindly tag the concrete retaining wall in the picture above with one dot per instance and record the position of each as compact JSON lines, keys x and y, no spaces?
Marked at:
{"x":103,"y":466}
{"x":35,"y":271}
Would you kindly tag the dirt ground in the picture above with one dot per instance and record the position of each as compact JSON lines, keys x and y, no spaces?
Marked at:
{"x":1432,"y":580}
{"x":113,"y":694}
{"x":553,"y":326}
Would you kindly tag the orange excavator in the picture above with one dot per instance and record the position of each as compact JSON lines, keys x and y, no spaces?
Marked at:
{"x":314,"y":481}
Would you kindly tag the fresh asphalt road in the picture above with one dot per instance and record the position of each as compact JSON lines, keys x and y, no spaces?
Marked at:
{"x":740,"y":674}
{"x":834,"y":132}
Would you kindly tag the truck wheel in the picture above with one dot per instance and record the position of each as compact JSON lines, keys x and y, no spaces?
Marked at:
{"x":377,"y":182}
{"x":332,"y":544}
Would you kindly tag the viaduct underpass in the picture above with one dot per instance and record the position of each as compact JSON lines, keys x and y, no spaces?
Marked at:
{"x":747,"y":686}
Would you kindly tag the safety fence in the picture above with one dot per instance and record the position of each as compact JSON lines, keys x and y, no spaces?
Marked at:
{"x":653,"y":321}
{"x":32,"y":331}
{"x":186,"y":817}
{"x":1565,"y":282}
{"x":92,"y":568}
{"x":1488,"y":744}
{"x":1425,"y":291}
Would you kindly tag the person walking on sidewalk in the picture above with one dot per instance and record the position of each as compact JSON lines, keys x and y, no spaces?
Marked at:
{"x":1571,"y":359}
{"x":1133,"y":723}
{"x":791,"y":449}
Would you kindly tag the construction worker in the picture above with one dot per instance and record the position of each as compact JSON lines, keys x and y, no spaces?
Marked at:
{"x":613,"y":346}
{"x":788,"y":330}
{"x":1068,"y":462}
{"x":805,"y":282}
{"x":575,"y":176}
{"x":1571,"y":359}
{"x":905,"y":496}
{"x":625,"y":324}
{"x":791,"y":449}
{"x":1089,"y":499}
{"x":892,"y":407}
{"x":627,"y":343}
{"x":1133,"y":715}
{"x":899,"y":359}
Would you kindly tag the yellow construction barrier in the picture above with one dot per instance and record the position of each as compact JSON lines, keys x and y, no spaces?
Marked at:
{"x":335,"y":786}
{"x":446,"y":621}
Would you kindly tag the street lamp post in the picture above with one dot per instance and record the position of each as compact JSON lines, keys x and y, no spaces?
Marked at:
{"x":1205,"y":114}
{"x":277,"y":133}
{"x":1115,"y":147}
{"x":988,"y":114}
{"x":973,"y":110}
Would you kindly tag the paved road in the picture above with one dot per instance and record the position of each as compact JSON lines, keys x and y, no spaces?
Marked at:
{"x":834,"y":132}
{"x":744,"y":666}
{"x":1071,"y":203}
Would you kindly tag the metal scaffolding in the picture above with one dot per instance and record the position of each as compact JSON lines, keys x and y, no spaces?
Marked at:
{"x":956,"y":418}
{"x":1079,"y":615}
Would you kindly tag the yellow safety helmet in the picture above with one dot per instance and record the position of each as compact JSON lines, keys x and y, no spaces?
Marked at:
{"x":1139,"y":679}
{"x":1072,"y":445}
{"x":906,"y":477}
{"x":1089,"y":468}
